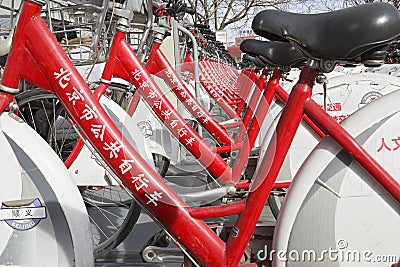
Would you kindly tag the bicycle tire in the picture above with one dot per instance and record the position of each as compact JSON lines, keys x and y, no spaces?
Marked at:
{"x":162,"y":164}
{"x":42,"y":99}
{"x":275,"y":200}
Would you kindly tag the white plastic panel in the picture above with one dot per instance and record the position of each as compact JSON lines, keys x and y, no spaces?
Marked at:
{"x":334,"y":204}
{"x":63,"y":237}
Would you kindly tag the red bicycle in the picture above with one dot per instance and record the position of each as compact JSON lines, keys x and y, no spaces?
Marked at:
{"x":53,"y":71}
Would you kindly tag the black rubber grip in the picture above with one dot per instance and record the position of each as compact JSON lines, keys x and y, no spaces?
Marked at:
{"x":201,"y":26}
{"x":205,"y":31}
{"x":189,"y":10}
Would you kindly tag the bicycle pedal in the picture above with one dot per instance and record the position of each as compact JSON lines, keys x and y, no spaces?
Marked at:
{"x":161,"y":254}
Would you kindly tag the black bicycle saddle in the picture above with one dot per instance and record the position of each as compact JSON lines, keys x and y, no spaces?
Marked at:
{"x":352,"y":34}
{"x":254,"y":60}
{"x":277,"y":54}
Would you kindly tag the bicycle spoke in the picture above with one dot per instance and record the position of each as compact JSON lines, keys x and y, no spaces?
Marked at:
{"x":97,"y":227}
{"x":119,"y":203}
{"x":33,"y":119}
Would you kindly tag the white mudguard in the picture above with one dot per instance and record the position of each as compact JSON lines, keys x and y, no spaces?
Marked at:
{"x":154,"y":132}
{"x":346,"y":94}
{"x":335,"y":213}
{"x":43,"y":220}
{"x":87,"y":170}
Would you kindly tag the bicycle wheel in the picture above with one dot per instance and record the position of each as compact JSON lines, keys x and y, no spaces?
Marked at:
{"x":112,"y":212}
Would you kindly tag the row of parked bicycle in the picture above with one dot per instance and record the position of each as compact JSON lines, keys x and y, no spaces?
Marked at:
{"x":130,"y":96}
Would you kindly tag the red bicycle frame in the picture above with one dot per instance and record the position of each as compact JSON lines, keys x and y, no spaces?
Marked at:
{"x":245,"y":81}
{"x":48,"y":66}
{"x":213,"y":90}
{"x":122,"y":59}
{"x":158,"y":65}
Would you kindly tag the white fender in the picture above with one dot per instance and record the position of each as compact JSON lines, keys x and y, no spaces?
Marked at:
{"x":391,"y":69}
{"x":155,"y":134}
{"x":55,"y":229}
{"x":12,"y":184}
{"x":128,"y":127}
{"x":333,"y":204}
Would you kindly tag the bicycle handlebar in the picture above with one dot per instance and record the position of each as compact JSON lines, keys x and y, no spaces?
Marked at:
{"x":189,"y":10}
